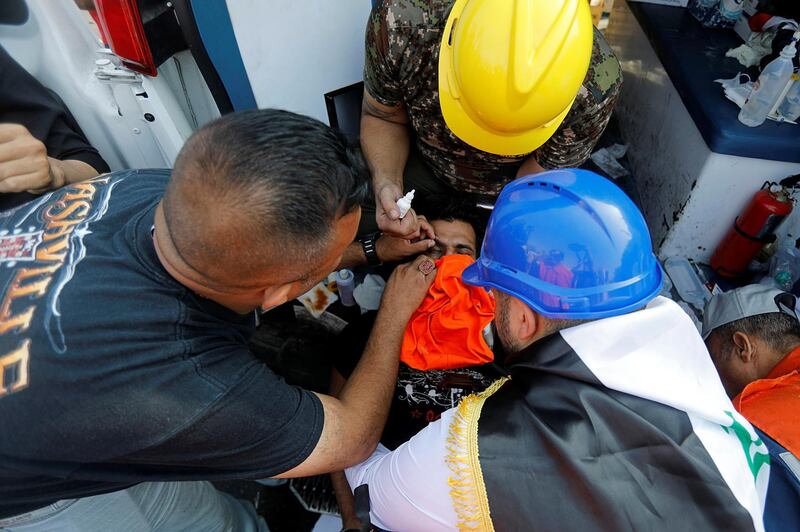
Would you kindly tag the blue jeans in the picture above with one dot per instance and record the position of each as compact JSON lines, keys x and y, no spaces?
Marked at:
{"x":146,"y":507}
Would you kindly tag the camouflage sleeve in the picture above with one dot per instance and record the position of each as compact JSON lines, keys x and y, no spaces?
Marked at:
{"x":382,"y":60}
{"x":586,"y":121}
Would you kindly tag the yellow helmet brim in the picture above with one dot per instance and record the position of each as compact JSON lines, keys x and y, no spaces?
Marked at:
{"x":476,"y":135}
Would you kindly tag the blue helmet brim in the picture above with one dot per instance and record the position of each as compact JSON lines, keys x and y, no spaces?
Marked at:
{"x":472,"y":276}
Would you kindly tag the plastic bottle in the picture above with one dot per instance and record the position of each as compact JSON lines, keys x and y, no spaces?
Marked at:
{"x":687,"y":283}
{"x":404,"y":203}
{"x":345,"y":281}
{"x":705,"y":11}
{"x":785,"y":267}
{"x":768,"y":88}
{"x":666,"y":289}
{"x":729,"y":12}
{"x":790,"y":108}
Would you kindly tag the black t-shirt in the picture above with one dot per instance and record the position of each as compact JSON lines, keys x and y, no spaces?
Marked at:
{"x":112,"y":372}
{"x":23,"y":100}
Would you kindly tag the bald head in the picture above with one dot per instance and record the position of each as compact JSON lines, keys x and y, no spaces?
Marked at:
{"x":260,"y":190}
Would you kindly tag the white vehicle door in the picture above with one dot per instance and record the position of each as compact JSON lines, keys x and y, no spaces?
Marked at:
{"x":140,"y":75}
{"x":134,"y":120}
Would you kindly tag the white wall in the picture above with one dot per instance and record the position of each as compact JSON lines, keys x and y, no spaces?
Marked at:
{"x":295,"y":51}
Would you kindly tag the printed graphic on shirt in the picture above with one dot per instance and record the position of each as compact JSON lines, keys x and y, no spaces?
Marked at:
{"x":41,"y":244}
{"x":19,"y":246}
{"x":426,"y":394}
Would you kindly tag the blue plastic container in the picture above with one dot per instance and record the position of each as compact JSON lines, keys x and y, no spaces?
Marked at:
{"x":716,"y":13}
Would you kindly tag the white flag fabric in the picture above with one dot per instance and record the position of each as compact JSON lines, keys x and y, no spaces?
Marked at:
{"x":657,"y":354}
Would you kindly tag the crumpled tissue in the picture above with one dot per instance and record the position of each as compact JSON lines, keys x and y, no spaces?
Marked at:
{"x":606,"y":159}
{"x":368,"y":294}
{"x":746,"y":55}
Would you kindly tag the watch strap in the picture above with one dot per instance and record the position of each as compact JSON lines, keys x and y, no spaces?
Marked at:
{"x":368,"y":244}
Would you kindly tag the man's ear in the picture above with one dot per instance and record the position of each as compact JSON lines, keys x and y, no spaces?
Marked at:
{"x":275,"y":296}
{"x":528,"y":324}
{"x":743,"y":347}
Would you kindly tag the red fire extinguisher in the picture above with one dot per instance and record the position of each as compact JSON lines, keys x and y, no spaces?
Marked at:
{"x":754,"y":228}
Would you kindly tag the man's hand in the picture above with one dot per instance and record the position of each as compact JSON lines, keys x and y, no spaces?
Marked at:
{"x":393,"y":249}
{"x":24,"y":164}
{"x":387,"y":214}
{"x":353,"y":423}
{"x":407,"y":287}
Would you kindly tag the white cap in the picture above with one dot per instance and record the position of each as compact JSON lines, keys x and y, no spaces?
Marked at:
{"x":745,"y":302}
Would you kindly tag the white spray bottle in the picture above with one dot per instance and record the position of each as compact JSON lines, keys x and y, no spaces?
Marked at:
{"x":404,"y":203}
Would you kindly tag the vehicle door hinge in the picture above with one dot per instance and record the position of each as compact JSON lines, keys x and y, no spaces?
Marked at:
{"x":109,"y":68}
{"x":105,"y":70}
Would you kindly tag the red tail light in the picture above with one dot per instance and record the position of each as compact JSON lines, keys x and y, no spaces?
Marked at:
{"x":122,"y":26}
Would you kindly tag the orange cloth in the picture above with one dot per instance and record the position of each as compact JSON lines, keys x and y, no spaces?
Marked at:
{"x":446,"y":331}
{"x":773,"y":403}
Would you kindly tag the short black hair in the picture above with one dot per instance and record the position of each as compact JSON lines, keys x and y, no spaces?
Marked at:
{"x":310,"y":173}
{"x":277,"y":172}
{"x":778,"y":330}
{"x":452,"y":207}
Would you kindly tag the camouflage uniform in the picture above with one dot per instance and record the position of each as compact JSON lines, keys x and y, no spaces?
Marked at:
{"x":402,"y":58}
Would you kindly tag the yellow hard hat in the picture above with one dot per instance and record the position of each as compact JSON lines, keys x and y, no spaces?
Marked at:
{"x":509,"y":70}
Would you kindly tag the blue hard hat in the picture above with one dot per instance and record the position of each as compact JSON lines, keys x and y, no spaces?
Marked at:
{"x":571,"y":245}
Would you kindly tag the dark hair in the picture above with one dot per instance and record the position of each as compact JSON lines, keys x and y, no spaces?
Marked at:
{"x":452,"y":207}
{"x":778,"y":330}
{"x":289,"y":174}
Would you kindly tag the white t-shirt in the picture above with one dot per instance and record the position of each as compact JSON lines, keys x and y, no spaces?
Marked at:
{"x":409,"y":488}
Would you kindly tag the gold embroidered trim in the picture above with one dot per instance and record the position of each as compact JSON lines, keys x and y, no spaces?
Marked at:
{"x":467,"y":489}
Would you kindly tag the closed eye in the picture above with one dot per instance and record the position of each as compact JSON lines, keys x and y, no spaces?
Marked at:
{"x":465,"y":250}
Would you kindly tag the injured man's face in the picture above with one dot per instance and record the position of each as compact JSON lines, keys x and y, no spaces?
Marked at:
{"x":453,"y":237}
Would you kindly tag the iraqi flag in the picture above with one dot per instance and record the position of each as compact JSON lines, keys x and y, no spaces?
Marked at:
{"x":618,"y":424}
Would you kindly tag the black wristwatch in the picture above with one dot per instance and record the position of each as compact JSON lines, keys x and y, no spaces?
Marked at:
{"x":368,"y":244}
